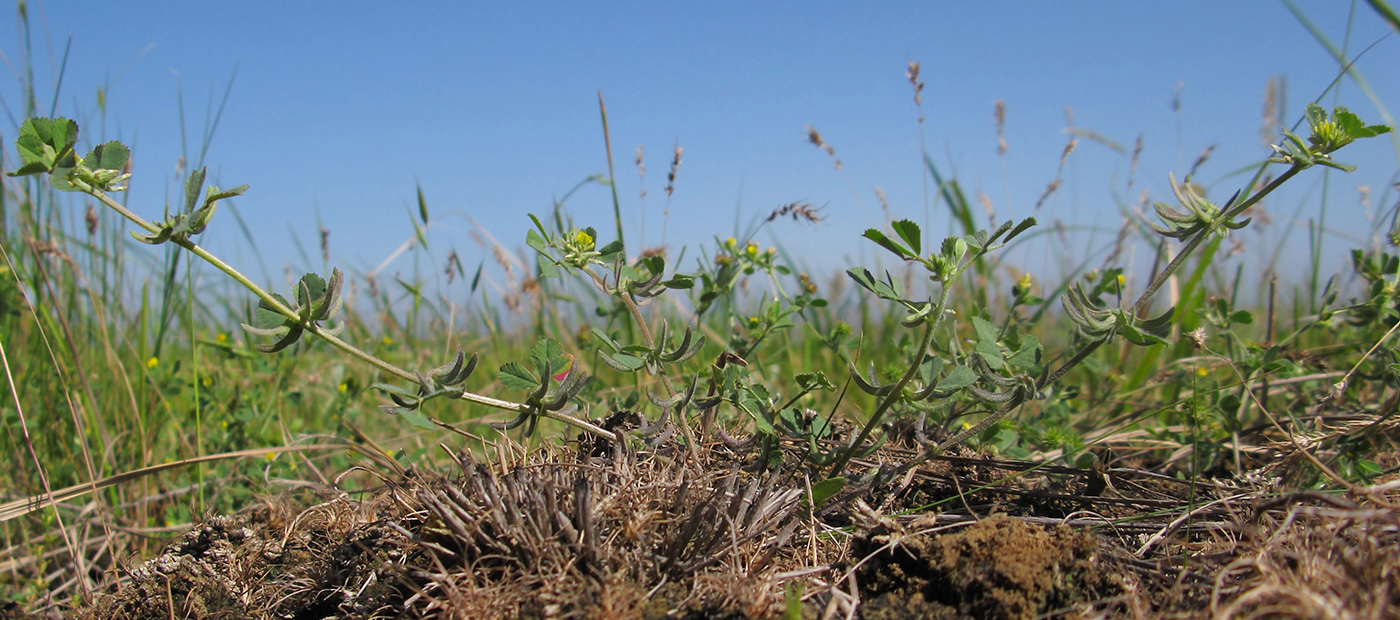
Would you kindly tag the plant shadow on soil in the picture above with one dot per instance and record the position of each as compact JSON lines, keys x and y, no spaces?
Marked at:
{"x":612,"y":533}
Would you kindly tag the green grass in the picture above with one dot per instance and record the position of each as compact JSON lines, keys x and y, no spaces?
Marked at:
{"x":115,"y":363}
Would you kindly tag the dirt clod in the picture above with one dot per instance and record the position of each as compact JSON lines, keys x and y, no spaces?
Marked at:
{"x":999,"y":567}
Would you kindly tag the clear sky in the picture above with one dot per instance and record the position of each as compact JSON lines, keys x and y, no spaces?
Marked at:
{"x":339,"y":108}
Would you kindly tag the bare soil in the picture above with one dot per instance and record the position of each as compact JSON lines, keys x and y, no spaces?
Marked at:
{"x":611,"y":533}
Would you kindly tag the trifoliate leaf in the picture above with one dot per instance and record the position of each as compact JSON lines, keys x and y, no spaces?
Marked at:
{"x":910,"y":233}
{"x":46,"y":144}
{"x":514,"y":376}
{"x":109,"y":156}
{"x":814,"y":381}
{"x":887,"y":243}
{"x":960,"y":377}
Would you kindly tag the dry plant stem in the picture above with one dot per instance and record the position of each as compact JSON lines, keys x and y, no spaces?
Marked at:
{"x":1293,"y":439}
{"x":334,"y":341}
{"x":43,"y":478}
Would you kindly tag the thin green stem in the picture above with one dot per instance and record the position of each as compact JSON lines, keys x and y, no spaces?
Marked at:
{"x":334,"y":341}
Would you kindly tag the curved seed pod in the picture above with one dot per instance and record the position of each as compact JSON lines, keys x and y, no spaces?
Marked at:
{"x":573,"y":383}
{"x":449,"y":370}
{"x":985,"y":372}
{"x":272,"y":332}
{"x":870,"y":386}
{"x":293,"y":334}
{"x":992,"y":397}
{"x":701,"y":404}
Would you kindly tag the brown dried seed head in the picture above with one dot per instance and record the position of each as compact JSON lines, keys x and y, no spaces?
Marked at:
{"x":675,"y":166}
{"x":1197,"y":338}
{"x":987,"y":205}
{"x":799,"y":212}
{"x":1271,"y":112}
{"x":1000,"y":115}
{"x":1069,"y":148}
{"x":1201,"y":159}
{"x":913,"y":74}
{"x":1049,"y":191}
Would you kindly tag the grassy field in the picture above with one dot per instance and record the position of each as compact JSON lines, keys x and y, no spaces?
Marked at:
{"x":704,"y":432}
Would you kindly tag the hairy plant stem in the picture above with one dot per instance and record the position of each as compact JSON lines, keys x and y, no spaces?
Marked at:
{"x":311,"y":327}
{"x":929,"y":328}
{"x":650,"y":342}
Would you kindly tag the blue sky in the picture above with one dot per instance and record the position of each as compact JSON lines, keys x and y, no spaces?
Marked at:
{"x":339,"y":108}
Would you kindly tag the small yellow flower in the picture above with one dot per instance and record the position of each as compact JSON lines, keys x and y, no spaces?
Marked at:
{"x":223,"y":425}
{"x":269,"y":455}
{"x":207,"y":381}
{"x":730,"y":243}
{"x":342,"y":387}
{"x":1024,"y":282}
{"x":221,"y":338}
{"x":1202,"y":371}
{"x":153,"y":362}
{"x":754,"y":322}
{"x":751,"y":249}
{"x":1122,"y":280}
{"x":583,"y":239}
{"x":386,"y":341}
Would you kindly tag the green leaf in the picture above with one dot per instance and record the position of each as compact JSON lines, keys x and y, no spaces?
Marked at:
{"x":990,"y":353}
{"x":267,"y":318}
{"x":46,"y":144}
{"x":887,"y":243}
{"x":548,"y":351}
{"x":534,"y":240}
{"x":1025,"y":359}
{"x":193,"y":185}
{"x":825,"y":490}
{"x":514,"y":376}
{"x":910,"y":233}
{"x":1025,"y":225}
{"x":422,"y":204}
{"x":110,"y":156}
{"x":810,"y":381}
{"x":1352,"y":125}
{"x":1135,"y":335}
{"x":416,"y":419}
{"x":679,"y":281}
{"x":609,"y":249}
{"x":960,"y":377}
{"x":986,"y":332}
{"x":621,"y":362}
{"x":655,"y":264}
{"x":309,"y":289}
{"x":603,"y":337}
{"x":215,"y":194}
